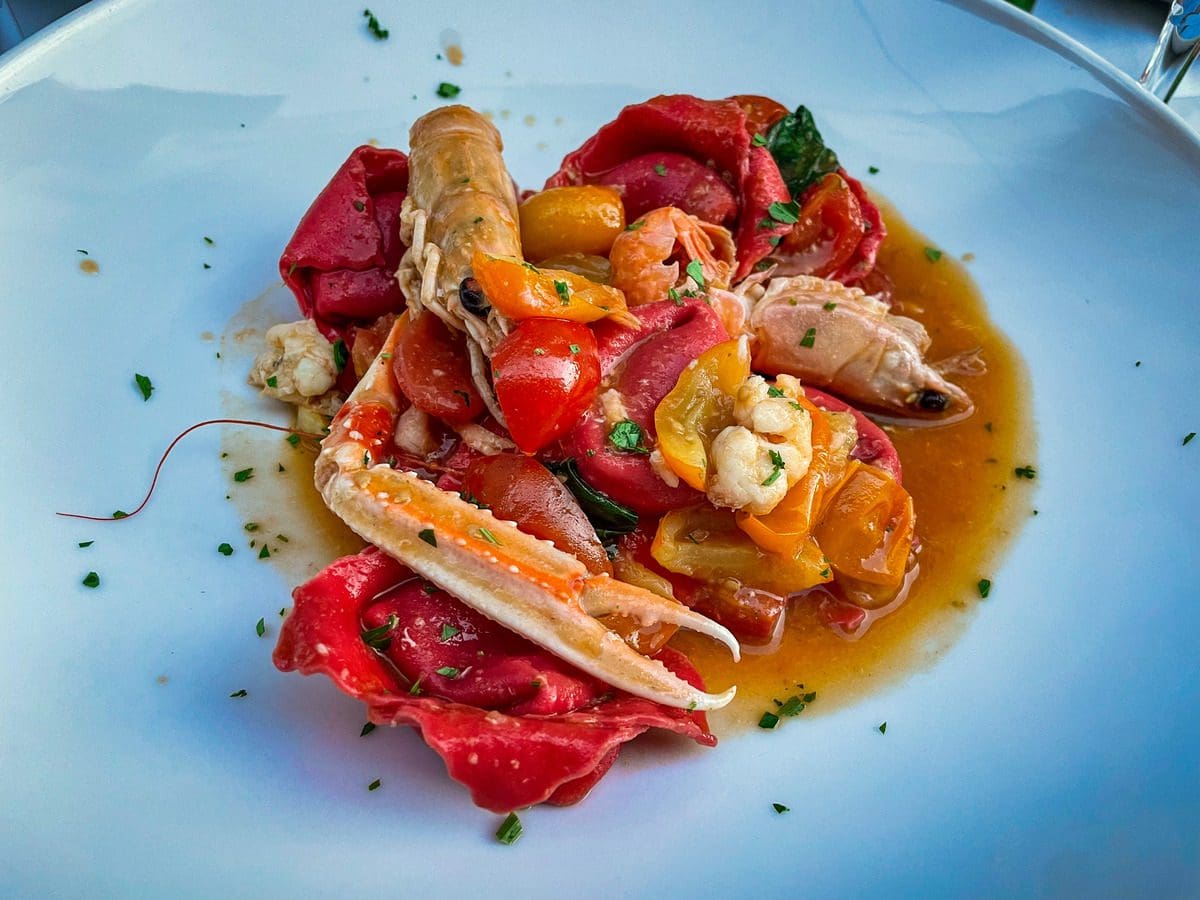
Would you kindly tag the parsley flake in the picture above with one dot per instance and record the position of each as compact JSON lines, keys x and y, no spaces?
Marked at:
{"x":251,"y":527}
{"x":449,"y":631}
{"x":487,"y":535}
{"x":374,"y":785}
{"x":882,"y":728}
{"x":758,"y":141}
{"x":778,"y":467}
{"x":1025,"y":472}
{"x":367,"y":729}
{"x":415,"y":689}
{"x":1187,"y":438}
{"x":810,"y":338}
{"x":380,"y":34}
{"x":264,"y":553}
{"x":830,"y":306}
{"x":673,"y":295}
{"x":341,"y":355}
{"x":427,"y":535}
{"x":780,"y":808}
{"x":696,"y":271}
{"x":359,"y":206}
{"x":225,"y":549}
{"x":784,"y":213}
{"x":985,"y":587}
{"x":260,"y":627}
{"x":627,"y":437}
{"x":660,"y":170}
{"x":91,"y":579}
{"x":874,"y":170}
{"x":144,"y":385}
{"x":120,"y":514}
{"x":510,"y":829}
{"x":86,"y":543}
{"x":768,"y":721}
{"x":243,"y":475}
{"x":564,"y":292}
{"x":380,"y":637}
{"x":241,"y":693}
{"x":634,"y":226}
{"x":208,"y":240}
{"x":773,"y":391}
{"x":448,"y":672}
{"x":933,"y":254}
{"x":446,"y":90}
{"x":574,"y":348}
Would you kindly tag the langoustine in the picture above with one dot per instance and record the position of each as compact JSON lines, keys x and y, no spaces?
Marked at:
{"x":519,"y":581}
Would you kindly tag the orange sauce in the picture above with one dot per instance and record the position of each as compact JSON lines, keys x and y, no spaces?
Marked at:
{"x":967,"y":500}
{"x":968,"y":505}
{"x":89,"y":267}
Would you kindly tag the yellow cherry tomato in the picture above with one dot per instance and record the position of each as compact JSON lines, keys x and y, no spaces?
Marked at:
{"x":523,"y":291}
{"x":584,"y":219}
{"x":866,"y":529}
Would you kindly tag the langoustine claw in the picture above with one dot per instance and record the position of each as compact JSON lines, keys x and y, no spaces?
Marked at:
{"x":841,"y":339}
{"x":642,"y":255}
{"x":519,"y":581}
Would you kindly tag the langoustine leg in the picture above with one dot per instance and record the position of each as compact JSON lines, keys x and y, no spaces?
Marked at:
{"x":519,"y":581}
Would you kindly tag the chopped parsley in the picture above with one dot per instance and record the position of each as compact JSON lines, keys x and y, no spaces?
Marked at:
{"x":874,"y":170}
{"x":91,"y":579}
{"x":985,"y":587}
{"x":272,"y":382}
{"x":768,"y":721}
{"x":634,"y":226}
{"x":564,"y":292}
{"x":696,"y":271}
{"x":144,"y":385}
{"x":264,"y":553}
{"x":241,"y":693}
{"x":933,"y":254}
{"x":660,"y":170}
{"x":1025,"y":472}
{"x":758,"y":141}
{"x":778,"y":466}
{"x":380,"y":637}
{"x":574,"y":348}
{"x":773,"y":391}
{"x":830,"y":306}
{"x":251,"y":527}
{"x":243,"y":475}
{"x":380,"y":34}
{"x":359,"y":206}
{"x":785,"y":213}
{"x":208,"y":240}
{"x":487,"y":535}
{"x":882,"y":728}
{"x":627,"y":437}
{"x":1187,"y":438}
{"x":446,"y":90}
{"x":260,"y":627}
{"x":225,"y":549}
{"x":367,"y":729}
{"x":510,"y":829}
{"x":780,"y":808}
{"x":374,"y":785}
{"x":449,"y":631}
{"x":810,"y":338}
{"x":448,"y":672}
{"x":120,"y":514}
{"x":673,"y":295}
{"x":427,"y":535}
{"x":415,"y":689}
{"x":86,"y":543}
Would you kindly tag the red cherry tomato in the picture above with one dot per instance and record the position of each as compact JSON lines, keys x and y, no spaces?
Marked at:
{"x":546,"y":372}
{"x":830,"y":229}
{"x":433,"y":371}
{"x":761,"y":112}
{"x":521,"y":489}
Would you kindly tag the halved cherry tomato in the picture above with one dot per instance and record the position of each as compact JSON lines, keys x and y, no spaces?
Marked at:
{"x":545,"y":372}
{"x":692,"y":414}
{"x":761,"y":112}
{"x":584,"y":219}
{"x":706,"y":543}
{"x":866,"y":529}
{"x":433,"y":370}
{"x":830,"y":229}
{"x":521,"y":489}
{"x":523,"y":291}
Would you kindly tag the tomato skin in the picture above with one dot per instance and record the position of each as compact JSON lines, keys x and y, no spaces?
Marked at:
{"x":830,"y":229}
{"x":433,"y":370}
{"x":761,"y":112}
{"x":521,"y":489}
{"x":544,"y":393}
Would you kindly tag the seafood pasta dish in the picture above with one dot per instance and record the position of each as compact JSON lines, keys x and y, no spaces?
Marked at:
{"x":606,"y":437}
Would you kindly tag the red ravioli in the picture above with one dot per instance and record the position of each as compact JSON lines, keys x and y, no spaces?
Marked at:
{"x":526,"y":729}
{"x":341,"y":260}
{"x":713,"y":134}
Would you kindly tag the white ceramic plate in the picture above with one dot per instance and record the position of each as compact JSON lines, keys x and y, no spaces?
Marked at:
{"x":1053,"y":750}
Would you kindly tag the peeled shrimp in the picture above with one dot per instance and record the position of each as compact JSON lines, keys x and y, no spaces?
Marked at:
{"x":641,"y":255}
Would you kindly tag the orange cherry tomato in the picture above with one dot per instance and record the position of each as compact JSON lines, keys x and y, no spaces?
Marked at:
{"x":830,"y":229}
{"x":520,"y":290}
{"x":585,"y":219}
{"x":867,"y":527}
